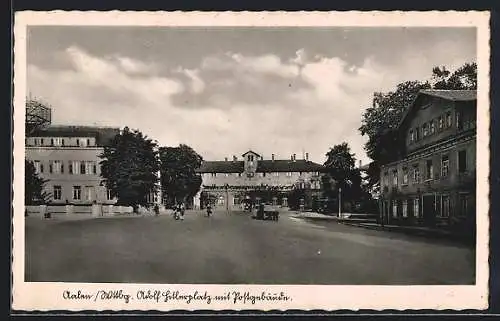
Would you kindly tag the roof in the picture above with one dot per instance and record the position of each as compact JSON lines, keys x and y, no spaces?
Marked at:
{"x":250,"y":151}
{"x":283,"y":165}
{"x":103,"y":135}
{"x":453,"y":95}
{"x":221,"y":167}
{"x":262,"y":166}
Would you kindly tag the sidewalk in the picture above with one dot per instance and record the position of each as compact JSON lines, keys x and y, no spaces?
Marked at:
{"x":373,"y":225}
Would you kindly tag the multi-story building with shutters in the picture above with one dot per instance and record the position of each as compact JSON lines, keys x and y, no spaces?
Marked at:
{"x":231,"y":182}
{"x":68,"y":158}
{"x":433,"y":182}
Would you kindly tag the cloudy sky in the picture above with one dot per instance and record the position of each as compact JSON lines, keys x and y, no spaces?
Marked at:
{"x":224,"y":91}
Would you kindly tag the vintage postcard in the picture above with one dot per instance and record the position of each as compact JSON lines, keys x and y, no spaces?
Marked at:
{"x":251,"y":161}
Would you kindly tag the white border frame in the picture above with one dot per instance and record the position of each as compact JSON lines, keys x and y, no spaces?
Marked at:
{"x":47,"y":296}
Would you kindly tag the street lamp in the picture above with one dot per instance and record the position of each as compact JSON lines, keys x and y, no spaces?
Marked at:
{"x":340,"y":202}
{"x":227,"y":197}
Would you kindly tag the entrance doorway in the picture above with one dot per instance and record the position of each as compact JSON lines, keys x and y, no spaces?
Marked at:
{"x":429,"y":209}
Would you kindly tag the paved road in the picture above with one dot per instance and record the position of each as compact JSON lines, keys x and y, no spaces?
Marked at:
{"x":233,"y":248}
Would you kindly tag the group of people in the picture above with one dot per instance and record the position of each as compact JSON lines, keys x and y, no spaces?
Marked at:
{"x":179,"y":211}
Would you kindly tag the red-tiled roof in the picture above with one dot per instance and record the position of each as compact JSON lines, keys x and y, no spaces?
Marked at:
{"x":267,"y":166}
{"x":103,"y":135}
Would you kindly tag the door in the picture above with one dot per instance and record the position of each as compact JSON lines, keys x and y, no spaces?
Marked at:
{"x":429,"y":210}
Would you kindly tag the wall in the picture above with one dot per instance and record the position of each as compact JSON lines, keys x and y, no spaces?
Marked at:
{"x":66,"y":180}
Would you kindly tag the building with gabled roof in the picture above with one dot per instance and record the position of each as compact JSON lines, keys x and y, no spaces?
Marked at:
{"x":229,"y":183}
{"x":433,"y":181}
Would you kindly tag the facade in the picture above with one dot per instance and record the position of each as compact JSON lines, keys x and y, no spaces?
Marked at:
{"x":229,"y":184}
{"x":68,"y":157}
{"x":433,"y":182}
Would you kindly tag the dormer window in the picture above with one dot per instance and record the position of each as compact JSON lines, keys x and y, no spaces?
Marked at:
{"x":412,"y":136}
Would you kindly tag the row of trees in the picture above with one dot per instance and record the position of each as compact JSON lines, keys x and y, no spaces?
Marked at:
{"x":133,"y":165}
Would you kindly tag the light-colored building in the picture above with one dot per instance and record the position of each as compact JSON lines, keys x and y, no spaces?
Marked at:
{"x":68,"y":157}
{"x":229,"y":183}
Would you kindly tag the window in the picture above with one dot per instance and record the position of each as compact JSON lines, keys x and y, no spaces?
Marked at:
{"x":405,"y":208}
{"x":394,"y":208}
{"x":89,"y":168}
{"x":75,"y":167}
{"x":236,"y":201}
{"x":109,"y":195}
{"x":88,"y":141}
{"x":441,"y":123}
{"x":445,"y":164}
{"x":56,"y":167}
{"x":214,"y":174}
{"x":88,"y":192}
{"x":412,"y":136}
{"x":462,"y":161}
{"x":276,"y":174}
{"x":239,"y":174}
{"x":288,"y":174}
{"x":62,"y":141}
{"x":405,"y":176}
{"x":417,"y":134}
{"x":83,"y":167}
{"x":416,"y":174}
{"x":445,"y":201}
{"x":433,"y":127}
{"x":77,"y":192}
{"x":57,"y":192}
{"x":77,"y":142}
{"x":263,"y":174}
{"x":448,"y":120}
{"x":429,"y":170}
{"x":55,"y":142}
{"x":38,"y":166}
{"x":36,"y":141}
{"x":464,"y":203}
{"x":250,"y":158}
{"x":425,"y":129}
{"x":459,"y":120}
{"x":416,"y":207}
{"x":395,"y":178}
{"x":94,"y":168}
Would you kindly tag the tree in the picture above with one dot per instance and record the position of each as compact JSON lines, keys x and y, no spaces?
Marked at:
{"x":380,"y":121}
{"x":129,"y":167}
{"x":179,"y":179}
{"x":34,"y":193}
{"x":340,"y":166}
{"x":464,"y":78}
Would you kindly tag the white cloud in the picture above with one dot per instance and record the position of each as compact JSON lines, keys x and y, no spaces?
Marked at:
{"x":197,"y":84}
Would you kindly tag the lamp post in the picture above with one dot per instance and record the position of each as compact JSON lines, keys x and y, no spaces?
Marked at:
{"x":340,"y":202}
{"x":227,"y":197}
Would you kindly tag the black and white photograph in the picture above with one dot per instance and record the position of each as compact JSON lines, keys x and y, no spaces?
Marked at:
{"x":251,"y":161}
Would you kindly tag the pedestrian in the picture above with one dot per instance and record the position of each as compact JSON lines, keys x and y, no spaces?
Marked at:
{"x":157,"y":210}
{"x":209,"y":209}
{"x":182,"y":209}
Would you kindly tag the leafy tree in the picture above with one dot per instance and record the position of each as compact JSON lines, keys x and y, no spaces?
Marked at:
{"x":34,"y":193}
{"x":464,"y":78}
{"x":129,"y":166}
{"x":380,"y":121}
{"x":179,"y":179}
{"x":340,"y":166}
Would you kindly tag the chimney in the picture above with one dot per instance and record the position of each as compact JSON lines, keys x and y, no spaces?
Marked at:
{"x":272,"y":157}
{"x":234,"y":158}
{"x":307,"y":156}
{"x":225,"y":159}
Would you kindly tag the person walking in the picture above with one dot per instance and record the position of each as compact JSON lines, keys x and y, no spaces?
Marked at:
{"x":209,"y":209}
{"x":182,"y":209}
